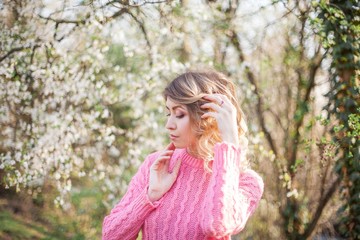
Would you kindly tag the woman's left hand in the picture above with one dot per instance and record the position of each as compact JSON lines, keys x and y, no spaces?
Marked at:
{"x":225,"y":114}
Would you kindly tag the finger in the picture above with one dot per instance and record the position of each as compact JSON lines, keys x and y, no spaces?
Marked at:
{"x":218,"y":98}
{"x":167,"y":153}
{"x":176,"y":168}
{"x":209,"y":114}
{"x":225,"y":100}
{"x":167,"y":162}
{"x":212,"y":106}
{"x":162,"y":156}
{"x":160,"y":161}
{"x":171,"y":146}
{"x":213,"y":98}
{"x":222,"y":101}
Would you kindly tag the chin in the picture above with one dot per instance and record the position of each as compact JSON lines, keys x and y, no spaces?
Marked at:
{"x":177,"y":145}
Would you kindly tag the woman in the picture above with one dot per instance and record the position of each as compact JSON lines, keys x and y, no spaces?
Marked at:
{"x":198,"y":187}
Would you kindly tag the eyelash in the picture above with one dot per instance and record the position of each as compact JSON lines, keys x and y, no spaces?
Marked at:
{"x":180,"y":116}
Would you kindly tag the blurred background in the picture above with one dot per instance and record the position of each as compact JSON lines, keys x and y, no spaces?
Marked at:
{"x":81,"y":106}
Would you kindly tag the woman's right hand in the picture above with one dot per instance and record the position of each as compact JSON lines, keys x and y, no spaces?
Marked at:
{"x":161,"y":180}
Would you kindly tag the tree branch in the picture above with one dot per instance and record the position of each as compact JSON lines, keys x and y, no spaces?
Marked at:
{"x":314,"y":66}
{"x":18,"y":49}
{"x":259,"y":106}
{"x":276,"y":116}
{"x":142,"y":27}
{"x":146,"y":2}
{"x":322,"y":203}
{"x":60,"y":21}
{"x":118,"y":13}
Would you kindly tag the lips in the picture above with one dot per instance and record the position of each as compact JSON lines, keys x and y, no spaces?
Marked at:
{"x":173,"y":137}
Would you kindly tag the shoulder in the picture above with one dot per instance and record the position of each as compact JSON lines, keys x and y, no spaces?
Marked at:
{"x":150,"y":158}
{"x":144,"y":167}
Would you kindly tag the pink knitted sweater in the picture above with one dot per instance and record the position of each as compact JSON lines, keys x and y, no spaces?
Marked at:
{"x":200,"y":204}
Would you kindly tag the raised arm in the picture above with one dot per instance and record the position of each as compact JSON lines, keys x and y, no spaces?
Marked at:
{"x":232,"y":195}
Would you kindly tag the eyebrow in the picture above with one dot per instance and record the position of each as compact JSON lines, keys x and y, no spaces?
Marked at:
{"x":175,"y":107}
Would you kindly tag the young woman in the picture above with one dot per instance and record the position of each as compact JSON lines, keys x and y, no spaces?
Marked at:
{"x":199,"y":186}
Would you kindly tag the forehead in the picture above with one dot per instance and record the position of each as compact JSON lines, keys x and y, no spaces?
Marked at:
{"x":170,"y":104}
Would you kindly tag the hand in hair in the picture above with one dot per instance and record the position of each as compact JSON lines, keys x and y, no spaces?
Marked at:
{"x":161,"y":180}
{"x":225,"y":114}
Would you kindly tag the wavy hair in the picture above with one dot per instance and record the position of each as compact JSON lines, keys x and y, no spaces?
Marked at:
{"x":188,"y":89}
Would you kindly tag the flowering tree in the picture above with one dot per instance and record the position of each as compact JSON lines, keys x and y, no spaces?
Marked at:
{"x":60,"y":88}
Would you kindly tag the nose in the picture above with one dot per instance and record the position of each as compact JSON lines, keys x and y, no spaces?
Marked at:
{"x":170,"y":124}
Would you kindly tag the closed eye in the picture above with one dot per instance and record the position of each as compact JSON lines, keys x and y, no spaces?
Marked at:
{"x":180,"y":116}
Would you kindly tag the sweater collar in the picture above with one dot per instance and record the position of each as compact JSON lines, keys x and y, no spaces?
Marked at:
{"x":191,"y":160}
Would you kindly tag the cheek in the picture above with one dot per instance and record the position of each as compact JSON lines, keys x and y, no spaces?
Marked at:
{"x":186,"y":125}
{"x":188,"y":131}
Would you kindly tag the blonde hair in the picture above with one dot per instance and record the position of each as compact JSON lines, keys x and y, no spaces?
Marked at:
{"x":188,"y":89}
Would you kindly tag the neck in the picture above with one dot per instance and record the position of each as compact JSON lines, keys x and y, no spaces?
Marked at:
{"x":193,"y":152}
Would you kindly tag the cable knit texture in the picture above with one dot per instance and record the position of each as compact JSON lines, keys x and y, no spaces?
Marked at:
{"x":200,"y":205}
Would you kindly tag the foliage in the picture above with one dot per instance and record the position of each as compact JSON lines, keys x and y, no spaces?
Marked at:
{"x":40,"y":219}
{"x":339,"y":27}
{"x":18,"y":228}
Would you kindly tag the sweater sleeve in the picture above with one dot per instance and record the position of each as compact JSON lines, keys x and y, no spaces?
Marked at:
{"x":232,"y":195}
{"x":127,"y":217}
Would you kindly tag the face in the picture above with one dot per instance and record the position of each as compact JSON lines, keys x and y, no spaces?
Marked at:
{"x":178,"y":125}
